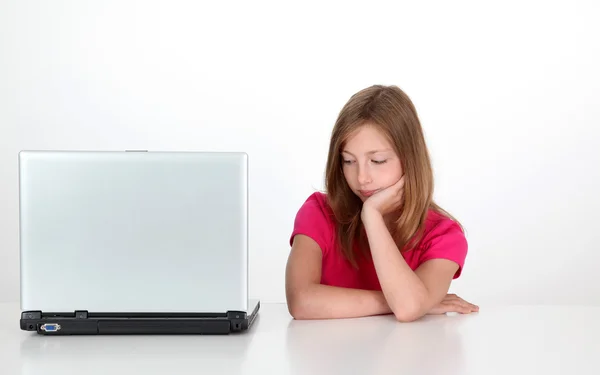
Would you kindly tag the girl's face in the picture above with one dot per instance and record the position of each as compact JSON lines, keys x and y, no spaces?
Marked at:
{"x":369,"y":162}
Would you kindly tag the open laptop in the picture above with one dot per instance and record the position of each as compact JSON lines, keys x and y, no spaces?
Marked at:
{"x":134,"y":242}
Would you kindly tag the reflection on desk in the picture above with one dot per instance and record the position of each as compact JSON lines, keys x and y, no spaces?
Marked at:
{"x":515,"y":340}
{"x":375,"y":346}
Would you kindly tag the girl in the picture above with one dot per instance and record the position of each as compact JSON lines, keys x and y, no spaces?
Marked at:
{"x":375,"y":243}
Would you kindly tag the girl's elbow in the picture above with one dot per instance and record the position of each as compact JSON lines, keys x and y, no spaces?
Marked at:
{"x":406,"y":316}
{"x":296,"y":311}
{"x":297,"y":307}
{"x":408,"y":313}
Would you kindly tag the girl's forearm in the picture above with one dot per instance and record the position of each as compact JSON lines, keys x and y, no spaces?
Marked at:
{"x":319,"y":301}
{"x":405,"y":293}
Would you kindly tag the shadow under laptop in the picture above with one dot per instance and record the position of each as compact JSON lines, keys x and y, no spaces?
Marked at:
{"x":144,"y":354}
{"x":375,"y":345}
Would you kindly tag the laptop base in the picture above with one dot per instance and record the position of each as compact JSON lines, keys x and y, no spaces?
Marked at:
{"x":86,"y":323}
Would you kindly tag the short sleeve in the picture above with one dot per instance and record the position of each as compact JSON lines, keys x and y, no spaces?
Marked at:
{"x":446,"y":241}
{"x":314,"y":220}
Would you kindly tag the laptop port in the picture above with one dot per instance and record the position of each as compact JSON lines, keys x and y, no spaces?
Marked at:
{"x":50,"y":327}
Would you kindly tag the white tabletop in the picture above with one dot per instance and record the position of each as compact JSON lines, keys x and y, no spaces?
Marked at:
{"x":500,"y":340}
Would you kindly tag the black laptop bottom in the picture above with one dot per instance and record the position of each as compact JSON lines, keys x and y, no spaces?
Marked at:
{"x":88,"y":323}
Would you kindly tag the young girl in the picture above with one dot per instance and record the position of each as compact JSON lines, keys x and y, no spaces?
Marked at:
{"x":376,"y":243}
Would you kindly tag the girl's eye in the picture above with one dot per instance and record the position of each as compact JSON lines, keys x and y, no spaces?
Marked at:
{"x":379,"y":161}
{"x":347,"y":161}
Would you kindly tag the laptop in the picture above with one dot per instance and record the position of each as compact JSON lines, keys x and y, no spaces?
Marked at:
{"x":134,"y":242}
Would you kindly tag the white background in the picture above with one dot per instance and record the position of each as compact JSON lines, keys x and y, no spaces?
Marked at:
{"x":507,"y":93}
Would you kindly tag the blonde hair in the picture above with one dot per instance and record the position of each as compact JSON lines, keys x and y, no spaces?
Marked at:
{"x":390,"y":110}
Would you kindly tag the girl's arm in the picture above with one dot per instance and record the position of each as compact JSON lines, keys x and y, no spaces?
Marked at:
{"x":307,"y":298}
{"x":410,"y":294}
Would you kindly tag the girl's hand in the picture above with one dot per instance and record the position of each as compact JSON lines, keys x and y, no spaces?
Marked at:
{"x":453,"y":303}
{"x":386,"y":200}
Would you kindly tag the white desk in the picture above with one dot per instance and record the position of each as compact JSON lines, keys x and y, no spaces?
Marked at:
{"x":510,"y":340}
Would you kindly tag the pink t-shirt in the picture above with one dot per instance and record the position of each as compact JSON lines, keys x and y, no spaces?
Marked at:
{"x":443,"y":238}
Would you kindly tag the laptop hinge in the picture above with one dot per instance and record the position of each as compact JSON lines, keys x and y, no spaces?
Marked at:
{"x":233,"y":315}
{"x":237,"y":320}
{"x":31,"y":315}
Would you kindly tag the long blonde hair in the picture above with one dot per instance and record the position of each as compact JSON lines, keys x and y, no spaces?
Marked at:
{"x":393,"y":113}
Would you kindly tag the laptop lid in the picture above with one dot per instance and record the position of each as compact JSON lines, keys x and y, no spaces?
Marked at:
{"x":133,"y":231}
